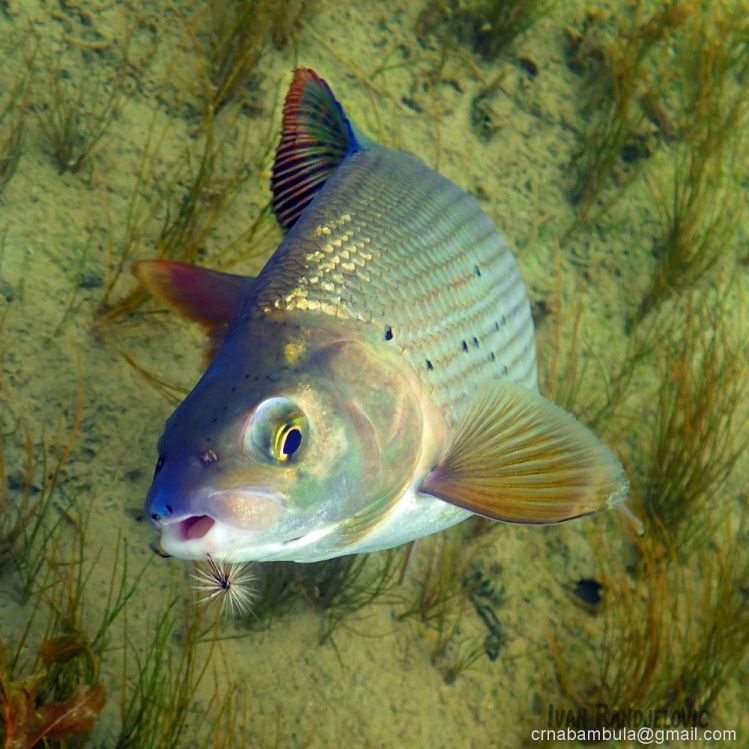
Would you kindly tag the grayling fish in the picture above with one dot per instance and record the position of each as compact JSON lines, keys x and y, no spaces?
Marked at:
{"x":376,"y":382}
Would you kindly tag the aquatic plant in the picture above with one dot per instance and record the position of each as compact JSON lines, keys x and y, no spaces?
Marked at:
{"x":628,"y":646}
{"x":276,"y":590}
{"x":698,"y":435}
{"x":25,"y":528}
{"x":444,"y":598}
{"x":178,"y":213}
{"x":716,"y":625}
{"x":622,"y":72}
{"x":559,"y":374}
{"x":235,"y":36}
{"x":703,"y":205}
{"x":287,"y":17}
{"x":231,"y":38}
{"x":29,"y":713}
{"x":495,"y":24}
{"x":155,"y":711}
{"x":669,"y":635}
{"x":58,"y":695}
{"x":75,"y":107}
{"x":12,"y":127}
{"x":342,"y":586}
{"x":17,"y":506}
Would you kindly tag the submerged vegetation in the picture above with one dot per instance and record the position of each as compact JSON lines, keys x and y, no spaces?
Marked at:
{"x":488,"y":27}
{"x":75,"y":109}
{"x":449,"y":589}
{"x":81,"y":660}
{"x":668,"y":634}
{"x":343,"y":586}
{"x":231,"y":39}
{"x":702,"y":206}
{"x":495,"y":24}
{"x":12,"y":127}
{"x":621,"y":69}
{"x":698,"y":434}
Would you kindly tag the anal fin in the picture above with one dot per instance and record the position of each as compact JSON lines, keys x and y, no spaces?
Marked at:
{"x":519,"y":458}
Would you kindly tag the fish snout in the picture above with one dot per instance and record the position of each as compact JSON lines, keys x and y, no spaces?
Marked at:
{"x":170,"y":490}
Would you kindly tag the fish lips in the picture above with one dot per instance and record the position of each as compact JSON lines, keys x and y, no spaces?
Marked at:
{"x":218,"y":519}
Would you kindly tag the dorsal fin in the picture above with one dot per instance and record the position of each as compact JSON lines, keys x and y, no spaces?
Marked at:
{"x":315,"y":138}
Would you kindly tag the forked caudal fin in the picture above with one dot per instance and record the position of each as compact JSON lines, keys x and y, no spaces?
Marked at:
{"x":315,"y":138}
{"x":519,"y":458}
{"x":208,"y":297}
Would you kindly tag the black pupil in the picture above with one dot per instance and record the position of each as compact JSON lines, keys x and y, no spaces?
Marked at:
{"x":292,"y":441}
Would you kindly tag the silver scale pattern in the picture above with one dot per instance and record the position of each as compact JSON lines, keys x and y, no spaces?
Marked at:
{"x":394,"y":244}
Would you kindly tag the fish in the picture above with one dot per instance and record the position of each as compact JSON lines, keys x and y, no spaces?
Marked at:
{"x":376,"y":382}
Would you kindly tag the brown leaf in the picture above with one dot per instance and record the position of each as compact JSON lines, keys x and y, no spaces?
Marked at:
{"x":75,"y":715}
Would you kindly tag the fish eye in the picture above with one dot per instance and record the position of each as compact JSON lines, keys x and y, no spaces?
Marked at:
{"x":277,"y":430}
{"x":288,"y":441}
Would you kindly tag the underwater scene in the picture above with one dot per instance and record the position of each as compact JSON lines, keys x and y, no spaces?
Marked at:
{"x":350,"y":534}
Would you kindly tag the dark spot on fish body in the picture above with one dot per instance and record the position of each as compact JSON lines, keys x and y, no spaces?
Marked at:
{"x":492,"y":356}
{"x":465,"y":346}
{"x":505,"y":370}
{"x":475,"y":341}
{"x":429,"y":365}
{"x":477,"y":270}
{"x":388,"y":333}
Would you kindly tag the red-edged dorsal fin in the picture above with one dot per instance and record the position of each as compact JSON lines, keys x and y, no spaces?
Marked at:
{"x":315,"y":138}
{"x":208,"y":297}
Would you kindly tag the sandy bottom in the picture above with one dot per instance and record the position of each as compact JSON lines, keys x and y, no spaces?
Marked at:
{"x":374,"y":683}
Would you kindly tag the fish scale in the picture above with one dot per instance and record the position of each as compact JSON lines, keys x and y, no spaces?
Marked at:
{"x":391,"y":242}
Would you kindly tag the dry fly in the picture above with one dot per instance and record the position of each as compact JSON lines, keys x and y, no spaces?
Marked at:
{"x":232,"y":583}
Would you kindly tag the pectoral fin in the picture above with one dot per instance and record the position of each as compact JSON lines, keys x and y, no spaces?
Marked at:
{"x":519,"y":458}
{"x":208,"y":297}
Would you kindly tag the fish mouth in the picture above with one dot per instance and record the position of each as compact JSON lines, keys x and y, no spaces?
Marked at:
{"x":196,"y":526}
{"x":235,"y":516}
{"x":195,"y":536}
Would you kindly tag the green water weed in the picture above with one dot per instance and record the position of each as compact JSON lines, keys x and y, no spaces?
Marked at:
{"x":340,"y":587}
{"x":702,"y":204}
{"x":75,"y":108}
{"x":12,"y":127}
{"x":622,"y":73}
{"x":697,"y":435}
{"x":444,"y":598}
{"x":496,"y":24}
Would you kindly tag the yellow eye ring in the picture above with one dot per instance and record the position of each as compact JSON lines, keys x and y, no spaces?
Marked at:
{"x":287,"y":441}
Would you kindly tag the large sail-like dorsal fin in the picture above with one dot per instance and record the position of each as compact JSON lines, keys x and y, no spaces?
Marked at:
{"x":316,"y":137}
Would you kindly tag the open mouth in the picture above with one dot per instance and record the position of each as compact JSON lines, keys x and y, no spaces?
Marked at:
{"x":196,"y":527}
